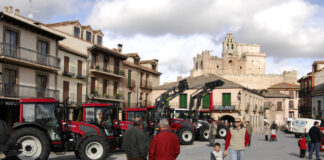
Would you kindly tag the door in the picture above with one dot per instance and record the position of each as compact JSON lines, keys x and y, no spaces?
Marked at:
{"x":115,"y":87}
{"x":11,"y":40}
{"x":129,"y":78}
{"x":41,"y":86}
{"x":79,"y":93}
{"x":104,"y":88}
{"x":66,"y":64}
{"x":93,"y":85}
{"x":116,"y":66}
{"x":79,"y":68}
{"x":66,"y":88}
{"x":42,"y":52}
{"x":10,"y":85}
{"x":105,"y":67}
{"x":129,"y":99}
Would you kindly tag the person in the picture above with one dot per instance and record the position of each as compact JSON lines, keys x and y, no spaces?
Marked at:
{"x":250,"y":131}
{"x":302,"y":146}
{"x":315,"y":135}
{"x":236,"y":141}
{"x":135,"y":142}
{"x":274,"y":126}
{"x":164,"y":145}
{"x":216,"y":154}
{"x":266,"y":131}
{"x":212,"y":132}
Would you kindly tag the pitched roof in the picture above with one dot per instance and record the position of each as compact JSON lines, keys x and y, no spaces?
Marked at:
{"x":318,"y":62}
{"x":64,"y":23}
{"x":274,"y":94}
{"x":87,"y":27}
{"x":284,"y":85}
{"x":98,"y":31}
{"x":149,"y":61}
{"x":71,"y":50}
{"x":131,"y":54}
{"x":141,"y":67}
{"x":198,"y":81}
{"x":99,"y":48}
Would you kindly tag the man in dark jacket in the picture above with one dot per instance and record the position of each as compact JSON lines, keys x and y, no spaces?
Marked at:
{"x":315,"y":135}
{"x":135,"y":142}
{"x":165,"y":145}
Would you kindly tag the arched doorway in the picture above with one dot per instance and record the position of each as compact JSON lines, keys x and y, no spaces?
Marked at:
{"x":227,"y":119}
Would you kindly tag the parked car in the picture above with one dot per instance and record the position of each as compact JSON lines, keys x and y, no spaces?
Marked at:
{"x":302,"y":126}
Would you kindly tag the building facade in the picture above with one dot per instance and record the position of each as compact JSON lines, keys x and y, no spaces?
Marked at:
{"x":29,"y":62}
{"x":230,"y":101}
{"x":318,"y":94}
{"x":244,"y":64}
{"x":141,"y":76}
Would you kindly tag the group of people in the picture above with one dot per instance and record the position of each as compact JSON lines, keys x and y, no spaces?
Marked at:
{"x":270,"y":131}
{"x":314,"y":143}
{"x":164,"y":145}
{"x":237,"y":139}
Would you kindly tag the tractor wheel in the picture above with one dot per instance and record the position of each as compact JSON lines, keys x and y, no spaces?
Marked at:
{"x":204,"y":133}
{"x":3,"y":132}
{"x":93,"y":148}
{"x":35,"y":144}
{"x":221,"y":132}
{"x":186,"y":136}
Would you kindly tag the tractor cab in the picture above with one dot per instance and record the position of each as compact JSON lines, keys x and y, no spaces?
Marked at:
{"x":205,"y":115}
{"x":130,"y":114}
{"x":42,"y":113}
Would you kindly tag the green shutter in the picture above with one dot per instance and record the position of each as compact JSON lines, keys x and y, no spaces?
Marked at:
{"x":226,"y":99}
{"x":129,"y":77}
{"x":129,"y":99}
{"x":183,"y":101}
{"x":206,"y":101}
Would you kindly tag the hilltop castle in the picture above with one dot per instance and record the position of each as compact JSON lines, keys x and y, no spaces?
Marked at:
{"x":241,"y":63}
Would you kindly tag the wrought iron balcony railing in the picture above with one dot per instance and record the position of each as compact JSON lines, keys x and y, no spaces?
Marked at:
{"x":21,"y":91}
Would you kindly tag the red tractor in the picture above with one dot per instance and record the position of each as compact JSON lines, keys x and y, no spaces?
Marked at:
{"x":40,"y":131}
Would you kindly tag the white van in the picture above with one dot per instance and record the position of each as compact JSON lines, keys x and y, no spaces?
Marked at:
{"x":302,"y":126}
{"x":289,"y":124}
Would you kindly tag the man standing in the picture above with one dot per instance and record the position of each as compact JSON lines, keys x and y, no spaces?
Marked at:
{"x":250,"y":131}
{"x":212,"y":132}
{"x":135,"y":142}
{"x":165,"y":145}
{"x":236,"y":140}
{"x":315,"y":135}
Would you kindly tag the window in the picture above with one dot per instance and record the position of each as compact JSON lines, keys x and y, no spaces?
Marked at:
{"x":88,"y":36}
{"x":202,"y":65}
{"x":183,"y":101}
{"x":11,"y":40}
{"x":66,"y":64}
{"x":10,"y":88}
{"x":42,"y":51}
{"x":129,"y":78}
{"x":41,"y":85}
{"x":154,"y":66}
{"x":129,"y":97}
{"x":94,"y":60}
{"x":206,"y":101}
{"x":93,"y":85}
{"x":217,"y":66}
{"x":279,"y":106}
{"x":226,"y":99}
{"x":232,"y":46}
{"x":283,"y":85}
{"x":77,"y":32}
{"x":80,"y":68}
{"x":196,"y":65}
{"x":99,"y":40}
{"x":230,"y":61}
{"x":240,"y":67}
{"x":106,"y":61}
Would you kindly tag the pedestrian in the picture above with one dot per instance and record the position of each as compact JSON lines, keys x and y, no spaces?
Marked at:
{"x":135,"y":142}
{"x":302,"y":146}
{"x":250,"y":131}
{"x":266,"y":131}
{"x":315,"y":135}
{"x":274,"y":126}
{"x":216,"y":154}
{"x":165,"y":145}
{"x":236,"y":141}
{"x":212,"y":132}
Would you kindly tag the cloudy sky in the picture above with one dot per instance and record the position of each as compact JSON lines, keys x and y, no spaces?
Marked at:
{"x":291,"y":32}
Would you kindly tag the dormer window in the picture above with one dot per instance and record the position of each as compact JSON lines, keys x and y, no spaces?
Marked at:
{"x":154,"y":67}
{"x":88,"y":36}
{"x":99,"y":40}
{"x":77,"y":32}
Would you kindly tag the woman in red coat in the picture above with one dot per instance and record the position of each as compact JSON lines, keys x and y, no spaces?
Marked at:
{"x":165,"y":145}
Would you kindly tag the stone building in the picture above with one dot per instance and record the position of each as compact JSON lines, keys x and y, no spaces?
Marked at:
{"x":318,"y":94}
{"x":229,"y":101}
{"x":29,"y":62}
{"x":141,"y":77}
{"x":244,"y":64}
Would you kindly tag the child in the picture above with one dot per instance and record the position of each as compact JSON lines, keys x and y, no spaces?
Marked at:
{"x":302,"y":146}
{"x":216,"y":154}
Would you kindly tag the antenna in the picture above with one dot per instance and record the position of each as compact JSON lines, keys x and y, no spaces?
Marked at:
{"x":31,"y":11}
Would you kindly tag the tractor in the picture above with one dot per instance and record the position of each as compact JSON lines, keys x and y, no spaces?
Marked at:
{"x":41,"y":130}
{"x":6,"y":149}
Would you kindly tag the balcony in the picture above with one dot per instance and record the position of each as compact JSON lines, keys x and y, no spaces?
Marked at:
{"x":221,"y":107}
{"x":82,"y":75}
{"x":131,"y":84}
{"x":70,"y":72}
{"x":146,"y":85}
{"x":21,"y":91}
{"x":110,"y":96}
{"x":26,"y":57}
{"x":107,"y":72}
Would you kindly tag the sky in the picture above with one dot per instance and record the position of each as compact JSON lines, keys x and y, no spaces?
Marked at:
{"x":290,"y":32}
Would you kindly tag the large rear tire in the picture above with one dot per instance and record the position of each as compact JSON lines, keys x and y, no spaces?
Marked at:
{"x":221,"y":132}
{"x":35,"y":143}
{"x":186,"y":136}
{"x":204,"y":133}
{"x":93,"y":148}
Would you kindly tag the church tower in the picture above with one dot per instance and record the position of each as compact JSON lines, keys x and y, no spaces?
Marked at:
{"x":229,"y":45}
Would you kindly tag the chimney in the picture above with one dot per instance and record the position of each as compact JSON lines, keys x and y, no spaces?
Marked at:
{"x":120,"y":48}
{"x":10,"y":10}
{"x":17,"y":11}
{"x":6,"y":9}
